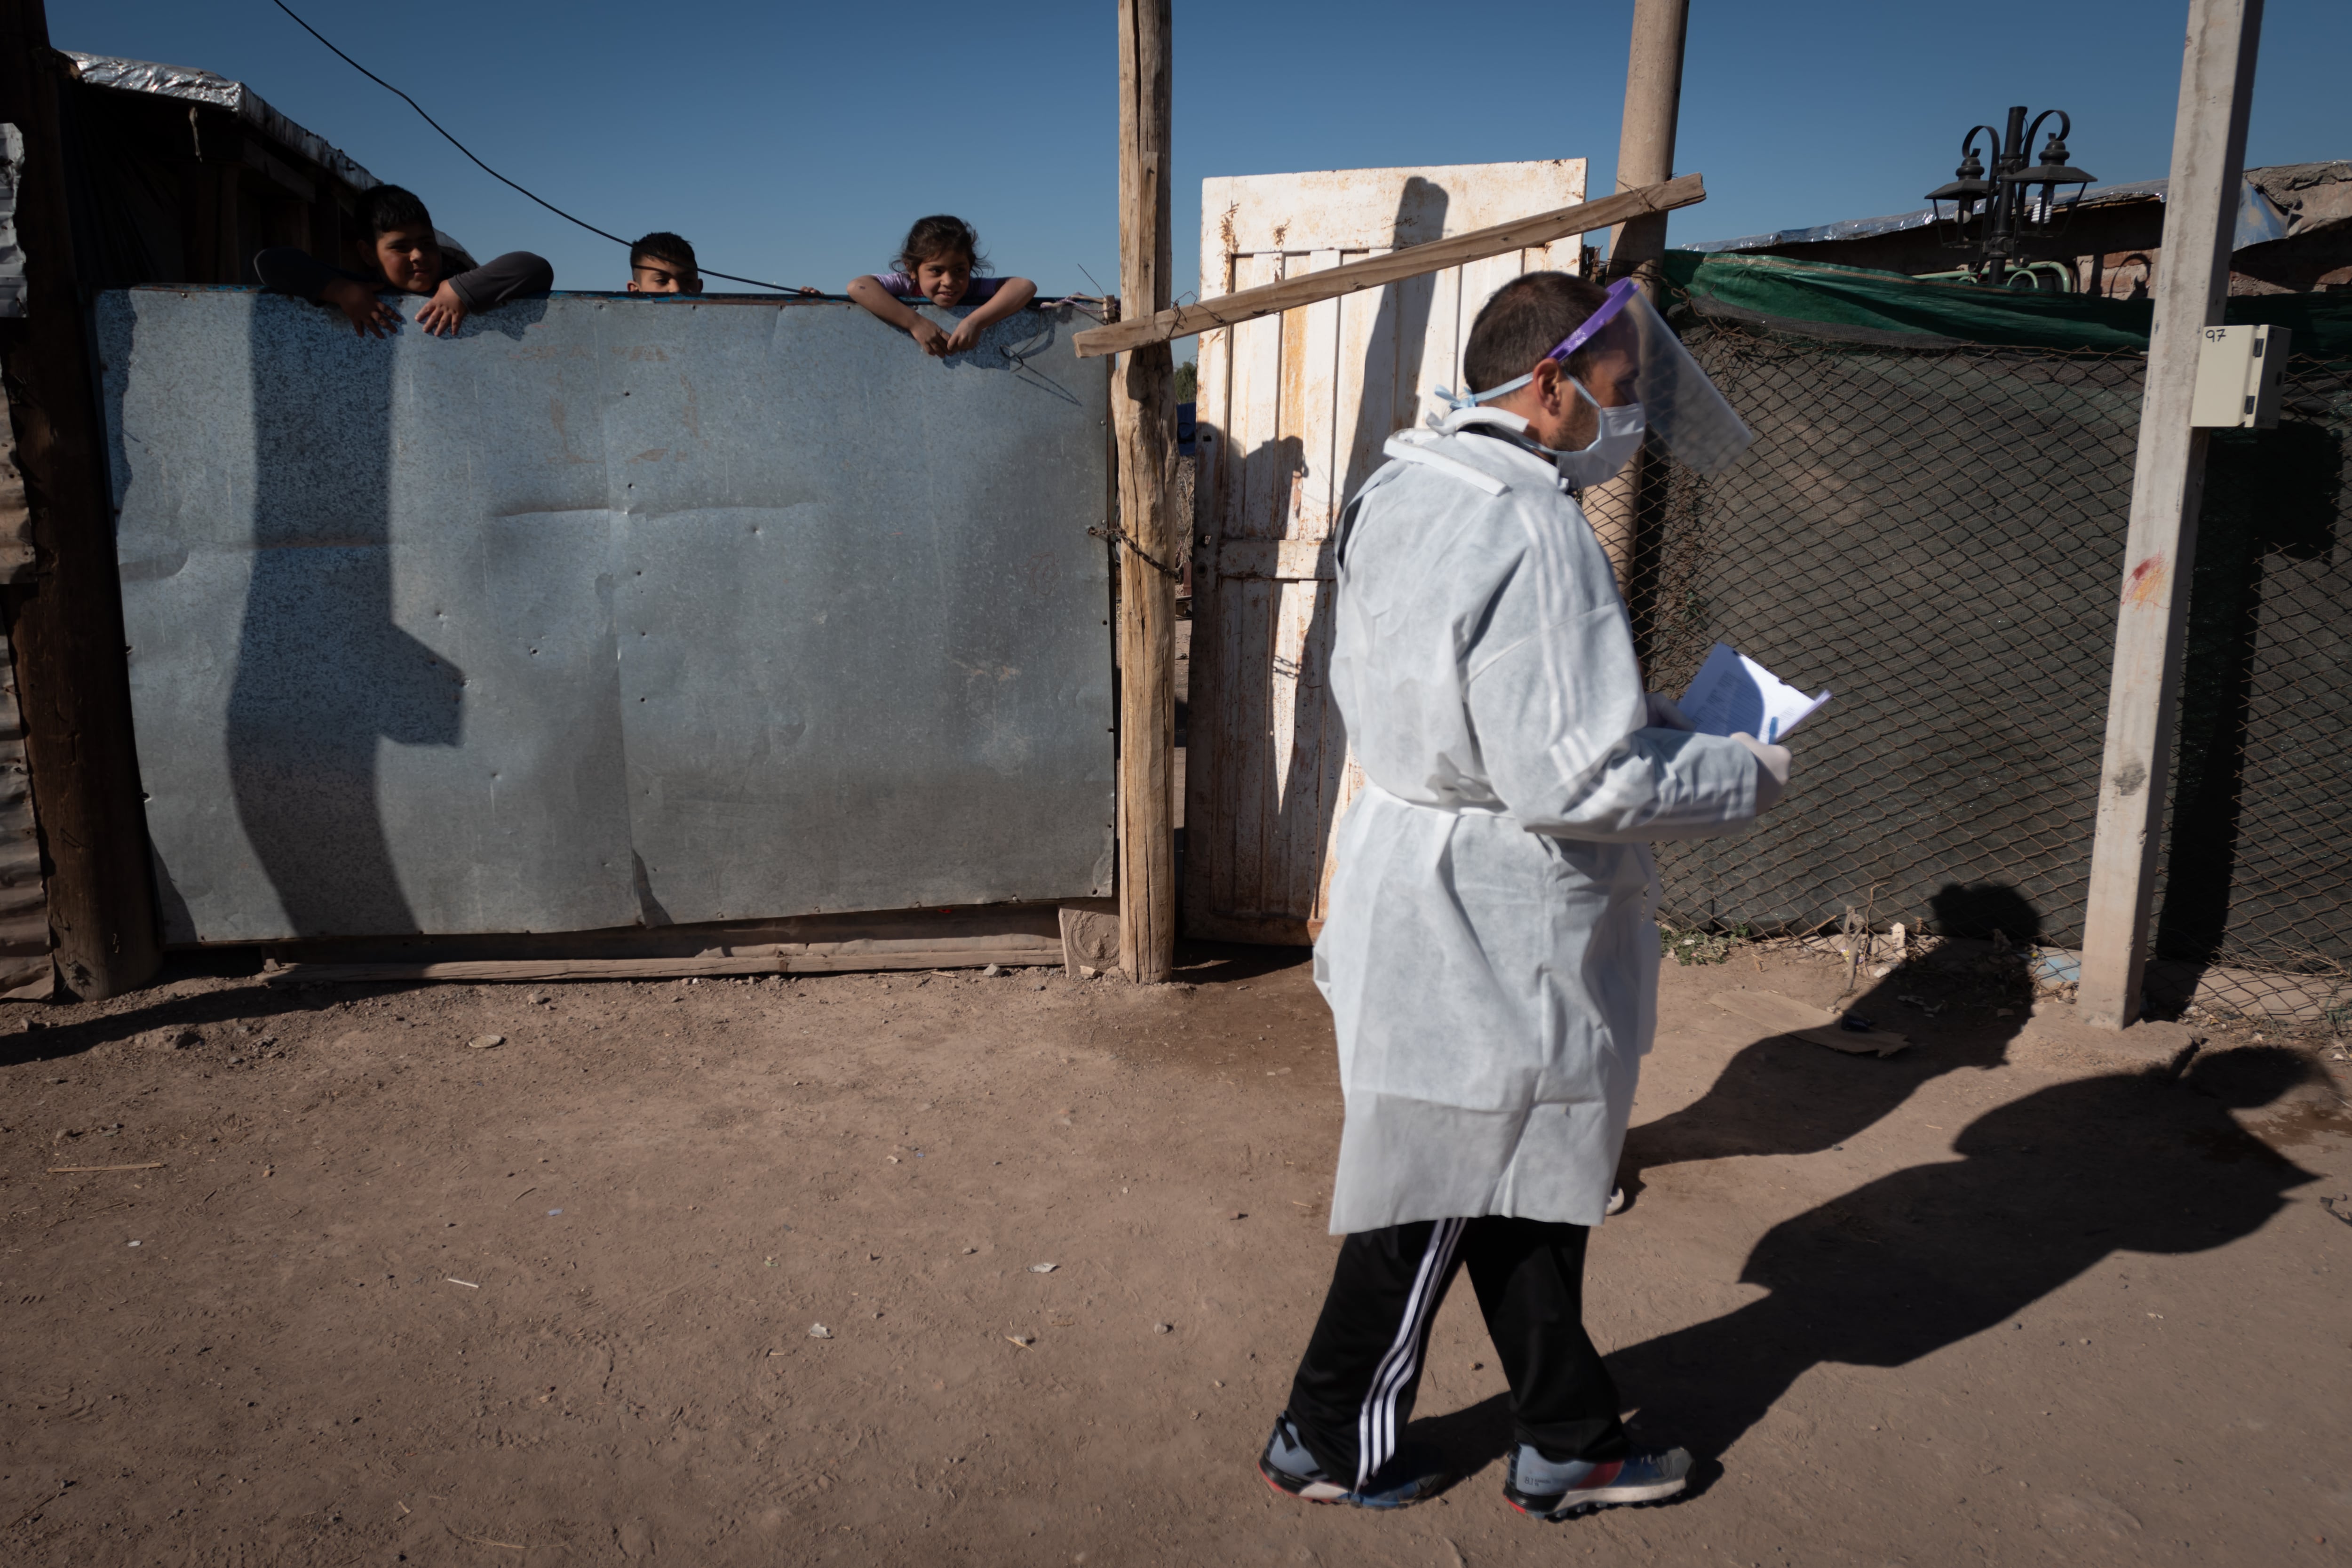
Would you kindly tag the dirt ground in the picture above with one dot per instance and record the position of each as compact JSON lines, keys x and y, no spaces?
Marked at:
{"x":2016,"y":1294}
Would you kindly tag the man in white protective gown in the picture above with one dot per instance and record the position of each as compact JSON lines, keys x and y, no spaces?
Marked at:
{"x":1490,"y":956}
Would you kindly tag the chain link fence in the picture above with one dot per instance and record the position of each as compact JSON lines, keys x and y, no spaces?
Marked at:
{"x":1935,"y":530}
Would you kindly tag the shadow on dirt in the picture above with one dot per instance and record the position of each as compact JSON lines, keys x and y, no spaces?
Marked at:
{"x":213,"y":1015}
{"x":1216,"y":962}
{"x":1784,"y":1096}
{"x":2044,"y":1189}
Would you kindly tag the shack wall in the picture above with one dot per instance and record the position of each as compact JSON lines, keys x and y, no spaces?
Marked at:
{"x":604,"y":613}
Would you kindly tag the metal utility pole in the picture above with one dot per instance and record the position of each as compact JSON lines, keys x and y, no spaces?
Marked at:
{"x":2208,"y":153}
{"x":65,"y":627}
{"x":1645,"y":156}
{"x":1143,"y":414}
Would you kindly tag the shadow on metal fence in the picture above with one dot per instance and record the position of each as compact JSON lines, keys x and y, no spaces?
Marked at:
{"x":1936,"y":532}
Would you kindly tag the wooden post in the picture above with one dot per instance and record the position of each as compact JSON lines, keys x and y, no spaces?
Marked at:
{"x":1645,"y":137}
{"x":1143,"y":414}
{"x":72,"y":679}
{"x":1645,"y":156}
{"x":2208,"y":150}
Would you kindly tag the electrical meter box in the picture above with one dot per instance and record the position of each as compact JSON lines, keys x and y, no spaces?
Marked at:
{"x":2238,"y":378}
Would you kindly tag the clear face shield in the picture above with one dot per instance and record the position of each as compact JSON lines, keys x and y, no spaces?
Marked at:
{"x":1637,"y":375}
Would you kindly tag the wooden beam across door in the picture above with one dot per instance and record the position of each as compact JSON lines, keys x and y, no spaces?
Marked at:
{"x":1411,"y":261}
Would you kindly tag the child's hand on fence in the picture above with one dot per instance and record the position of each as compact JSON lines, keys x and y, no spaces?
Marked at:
{"x":444,"y":313}
{"x":965,"y":337}
{"x":926,"y":332}
{"x":367,"y":314}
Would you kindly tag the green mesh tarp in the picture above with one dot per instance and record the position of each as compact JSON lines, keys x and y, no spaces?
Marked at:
{"x":1931,"y":523}
{"x":1856,"y":298}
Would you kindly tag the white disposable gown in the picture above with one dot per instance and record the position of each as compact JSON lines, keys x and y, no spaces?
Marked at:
{"x":1490,"y":956}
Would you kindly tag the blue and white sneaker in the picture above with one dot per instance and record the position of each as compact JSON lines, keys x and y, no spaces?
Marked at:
{"x":1540,"y":1488}
{"x":1410,"y":1478}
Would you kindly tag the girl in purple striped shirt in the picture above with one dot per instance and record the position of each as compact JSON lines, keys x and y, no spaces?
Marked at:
{"x":936,"y":264}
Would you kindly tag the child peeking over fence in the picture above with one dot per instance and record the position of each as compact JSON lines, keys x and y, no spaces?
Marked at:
{"x":663,"y":263}
{"x":410,"y":257}
{"x":937,"y":264}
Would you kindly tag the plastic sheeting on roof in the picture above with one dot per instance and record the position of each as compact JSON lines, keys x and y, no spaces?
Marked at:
{"x":1849,"y":303}
{"x":203,"y":87}
{"x":2259,"y":217}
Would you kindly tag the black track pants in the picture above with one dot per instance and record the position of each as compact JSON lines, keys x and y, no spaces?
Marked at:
{"x":1355,"y":1387}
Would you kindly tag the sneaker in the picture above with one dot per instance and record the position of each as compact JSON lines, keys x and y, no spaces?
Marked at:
{"x":1540,"y":1488}
{"x":1616,"y":1201}
{"x":1409,"y":1477}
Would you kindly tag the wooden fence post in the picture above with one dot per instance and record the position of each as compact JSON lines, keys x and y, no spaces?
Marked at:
{"x":2208,"y":153}
{"x":1143,"y":414}
{"x":1645,"y":137}
{"x":72,"y":677}
{"x":1645,"y":156}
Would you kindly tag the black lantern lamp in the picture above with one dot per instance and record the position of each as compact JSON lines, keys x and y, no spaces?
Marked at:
{"x":2045,"y":215}
{"x":2020,"y":205}
{"x":1967,"y":193}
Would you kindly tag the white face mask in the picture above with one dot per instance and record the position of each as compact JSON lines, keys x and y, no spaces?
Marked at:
{"x":1613,"y":445}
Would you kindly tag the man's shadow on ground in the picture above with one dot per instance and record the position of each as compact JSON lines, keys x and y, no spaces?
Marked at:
{"x":1787,"y":1096}
{"x":2044,"y":1188}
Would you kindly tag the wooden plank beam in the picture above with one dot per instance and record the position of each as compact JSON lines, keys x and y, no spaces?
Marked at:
{"x":1143,"y":414}
{"x":814,"y":958}
{"x":73,"y":682}
{"x":1228,"y":309}
{"x":2208,"y":156}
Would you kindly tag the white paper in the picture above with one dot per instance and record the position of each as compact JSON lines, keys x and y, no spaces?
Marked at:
{"x":1732,"y":694}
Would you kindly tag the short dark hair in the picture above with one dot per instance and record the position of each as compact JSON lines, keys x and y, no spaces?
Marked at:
{"x":1525,"y":320}
{"x":390,"y":207}
{"x":937,"y":235}
{"x":663,"y":245}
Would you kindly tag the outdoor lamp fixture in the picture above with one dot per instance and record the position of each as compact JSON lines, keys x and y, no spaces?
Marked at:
{"x":2017,"y":207}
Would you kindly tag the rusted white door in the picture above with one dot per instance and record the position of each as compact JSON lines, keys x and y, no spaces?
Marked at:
{"x":1292,"y":412}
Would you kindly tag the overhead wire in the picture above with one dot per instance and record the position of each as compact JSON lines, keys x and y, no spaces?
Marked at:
{"x":550,"y":206}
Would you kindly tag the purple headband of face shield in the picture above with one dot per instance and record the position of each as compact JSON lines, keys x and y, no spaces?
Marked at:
{"x":1611,"y":308}
{"x":1619,"y":293}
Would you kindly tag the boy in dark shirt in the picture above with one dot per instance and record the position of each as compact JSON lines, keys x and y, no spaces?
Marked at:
{"x":663,"y":263}
{"x":410,"y":259}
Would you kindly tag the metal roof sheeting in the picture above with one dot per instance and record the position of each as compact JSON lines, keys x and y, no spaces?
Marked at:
{"x":202,"y":87}
{"x":2263,"y":214}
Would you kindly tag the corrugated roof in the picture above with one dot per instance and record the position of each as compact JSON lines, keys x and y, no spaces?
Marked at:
{"x":202,"y":87}
{"x":2266,"y":210}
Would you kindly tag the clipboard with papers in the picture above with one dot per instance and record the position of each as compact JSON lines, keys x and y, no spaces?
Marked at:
{"x":1732,"y":694}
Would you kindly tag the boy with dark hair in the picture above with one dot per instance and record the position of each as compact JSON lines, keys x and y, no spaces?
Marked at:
{"x":410,"y":257}
{"x":663,"y":263}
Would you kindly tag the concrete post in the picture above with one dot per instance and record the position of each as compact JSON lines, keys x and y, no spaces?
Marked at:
{"x":2208,"y":153}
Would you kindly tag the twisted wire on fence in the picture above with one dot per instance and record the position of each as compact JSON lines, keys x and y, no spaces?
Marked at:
{"x":1937,"y":532}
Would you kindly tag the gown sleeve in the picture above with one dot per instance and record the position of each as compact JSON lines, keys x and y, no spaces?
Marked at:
{"x":1562,"y":746}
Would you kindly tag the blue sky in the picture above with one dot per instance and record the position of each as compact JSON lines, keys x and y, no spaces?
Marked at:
{"x":795,"y":144}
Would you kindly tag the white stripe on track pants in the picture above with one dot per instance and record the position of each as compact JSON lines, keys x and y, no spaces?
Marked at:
{"x":1355,"y":1387}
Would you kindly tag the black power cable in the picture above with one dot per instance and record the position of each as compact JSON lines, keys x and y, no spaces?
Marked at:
{"x":550,"y":206}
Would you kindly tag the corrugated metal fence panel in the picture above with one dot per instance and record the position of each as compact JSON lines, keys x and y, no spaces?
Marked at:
{"x":606,"y":611}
